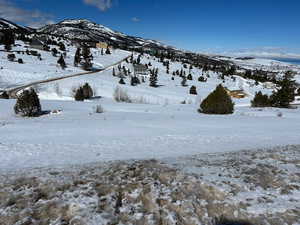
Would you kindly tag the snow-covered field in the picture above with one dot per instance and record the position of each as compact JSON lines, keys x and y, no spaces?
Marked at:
{"x":77,"y":135}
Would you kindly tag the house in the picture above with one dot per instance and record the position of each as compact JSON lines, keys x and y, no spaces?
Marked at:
{"x":141,"y":71}
{"x":102,"y":45}
{"x":37,"y":44}
{"x":236,"y":93}
{"x":269,"y":85}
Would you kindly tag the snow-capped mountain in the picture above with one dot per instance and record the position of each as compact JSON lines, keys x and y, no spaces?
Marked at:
{"x":89,"y":31}
{"x":5,"y":24}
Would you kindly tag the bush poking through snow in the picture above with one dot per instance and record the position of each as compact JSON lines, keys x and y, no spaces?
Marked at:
{"x":87,"y":91}
{"x":79,"y":96}
{"x":193,"y":90}
{"x":279,"y":114}
{"x":217,"y":102}
{"x":260,"y":100}
{"x":122,"y":81}
{"x":99,"y":109}
{"x":84,"y":92}
{"x":121,"y":95}
{"x":28,"y":104}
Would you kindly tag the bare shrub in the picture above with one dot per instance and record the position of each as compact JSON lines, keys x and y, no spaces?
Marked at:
{"x":121,"y":95}
{"x":99,"y":109}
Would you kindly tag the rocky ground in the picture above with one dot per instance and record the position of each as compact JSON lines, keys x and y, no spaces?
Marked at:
{"x":261,"y":187}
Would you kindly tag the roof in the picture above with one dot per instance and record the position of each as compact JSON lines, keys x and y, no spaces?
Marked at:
{"x":140,"y":67}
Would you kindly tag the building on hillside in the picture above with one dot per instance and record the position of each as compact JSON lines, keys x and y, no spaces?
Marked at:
{"x":236,"y":93}
{"x":102,"y":45}
{"x":37,"y":44}
{"x":141,"y":71}
{"x":269,"y":85}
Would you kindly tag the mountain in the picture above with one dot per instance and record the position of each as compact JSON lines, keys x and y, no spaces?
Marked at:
{"x":5,"y":24}
{"x":86,"y":30}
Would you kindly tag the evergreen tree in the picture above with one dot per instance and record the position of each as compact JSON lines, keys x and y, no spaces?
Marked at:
{"x":62,"y":47}
{"x":87,"y":57}
{"x":77,"y":57}
{"x":54,"y":52}
{"x":134,"y":81}
{"x":190,"y":77}
{"x":153,"y":78}
{"x":121,"y":81}
{"x":28,"y":104}
{"x":62,"y":62}
{"x":8,"y":39}
{"x":107,"y":52}
{"x":286,"y":92}
{"x":183,"y":81}
{"x":193,"y":90}
{"x":217,"y":102}
{"x":260,"y":100}
{"x":87,"y":91}
{"x":202,"y":79}
{"x":79,"y":96}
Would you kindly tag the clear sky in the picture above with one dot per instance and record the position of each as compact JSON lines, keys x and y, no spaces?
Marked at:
{"x":196,"y":25}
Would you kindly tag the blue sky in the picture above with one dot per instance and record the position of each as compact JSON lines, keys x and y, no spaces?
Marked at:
{"x":214,"y":25}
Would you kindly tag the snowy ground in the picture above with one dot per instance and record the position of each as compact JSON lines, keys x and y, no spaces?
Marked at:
{"x":13,"y":74}
{"x":261,"y":186}
{"x":135,"y":131}
{"x":155,"y":125}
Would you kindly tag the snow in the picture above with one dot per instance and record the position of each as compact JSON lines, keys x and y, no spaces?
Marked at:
{"x":134,"y":131}
{"x":155,"y":125}
{"x":14,"y":74}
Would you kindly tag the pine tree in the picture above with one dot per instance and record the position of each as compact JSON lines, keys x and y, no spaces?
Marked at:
{"x":193,"y":90}
{"x":260,"y":100}
{"x":62,"y":62}
{"x":54,"y":52}
{"x":62,"y":47}
{"x":134,"y":81}
{"x":77,"y":57}
{"x":286,"y":92}
{"x":190,"y":77}
{"x":87,"y":57}
{"x":87,"y":91}
{"x":121,"y":81}
{"x":153,"y":78}
{"x":217,"y":102}
{"x":28,"y":104}
{"x":107,"y":52}
{"x":183,"y":82}
{"x":79,"y":96}
{"x":8,"y":39}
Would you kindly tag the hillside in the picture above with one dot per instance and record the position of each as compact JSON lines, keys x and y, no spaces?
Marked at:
{"x":86,"y":30}
{"x":158,"y":122}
